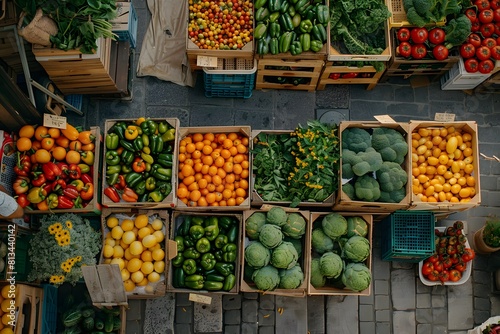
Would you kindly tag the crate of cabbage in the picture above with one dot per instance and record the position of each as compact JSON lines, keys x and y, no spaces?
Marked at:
{"x":375,"y":169}
{"x":273,"y":260}
{"x":204,"y":252}
{"x":340,"y":246}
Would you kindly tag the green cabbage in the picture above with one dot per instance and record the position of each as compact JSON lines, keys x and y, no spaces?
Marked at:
{"x":277,"y":216}
{"x":284,"y":256}
{"x":297,"y":243}
{"x":291,"y":278}
{"x":356,"y":249}
{"x":295,"y":226}
{"x":256,"y":255}
{"x":331,"y":265}
{"x":254,"y":223}
{"x":266,"y":278}
{"x":318,"y":280}
{"x":356,"y":276}
{"x":320,"y":242}
{"x":270,"y":235}
{"x":334,"y":225}
{"x":356,"y":226}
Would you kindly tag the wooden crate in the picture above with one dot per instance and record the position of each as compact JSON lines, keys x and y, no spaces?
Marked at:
{"x":371,"y":79}
{"x":28,"y":305}
{"x":270,"y":69}
{"x":9,"y":13}
{"x":398,"y":17}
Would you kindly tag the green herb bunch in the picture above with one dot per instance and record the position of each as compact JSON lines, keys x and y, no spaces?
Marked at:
{"x":61,"y":247}
{"x":491,"y":233}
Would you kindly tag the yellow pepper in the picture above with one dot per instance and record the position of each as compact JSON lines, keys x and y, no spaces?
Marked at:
{"x":131,"y":132}
{"x":140,"y":120}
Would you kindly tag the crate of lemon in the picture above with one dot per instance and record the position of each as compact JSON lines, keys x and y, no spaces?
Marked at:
{"x":21,"y":308}
{"x":445,"y":166}
{"x":135,"y":241}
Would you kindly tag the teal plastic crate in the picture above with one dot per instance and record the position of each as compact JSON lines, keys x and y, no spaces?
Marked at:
{"x":231,"y":78}
{"x":49,"y":309}
{"x":408,"y":236}
{"x":126,"y":31}
{"x":22,"y":265}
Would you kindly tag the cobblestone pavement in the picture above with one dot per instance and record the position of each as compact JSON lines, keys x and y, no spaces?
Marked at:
{"x":399,"y":302}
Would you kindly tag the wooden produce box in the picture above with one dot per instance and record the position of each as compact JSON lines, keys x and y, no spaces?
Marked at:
{"x":271,"y":71}
{"x":344,"y":203}
{"x":249,"y":286}
{"x":148,"y":290}
{"x":170,"y":200}
{"x":330,"y":290}
{"x":470,"y":128}
{"x":177,"y":220}
{"x":28,"y":309}
{"x":258,"y":201}
{"x":398,"y":17}
{"x":243,"y":131}
{"x":365,"y":75}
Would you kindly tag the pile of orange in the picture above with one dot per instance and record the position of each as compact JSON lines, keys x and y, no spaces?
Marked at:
{"x":443,"y":165}
{"x":213,"y":169}
{"x":5,"y":302}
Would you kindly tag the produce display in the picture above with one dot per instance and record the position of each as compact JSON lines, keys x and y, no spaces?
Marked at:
{"x":7,"y":298}
{"x":301,"y":166}
{"x":55,"y":168}
{"x":421,"y":13}
{"x":207,"y":252}
{"x":138,"y":161}
{"x":421,"y":43}
{"x":340,"y":253}
{"x":274,"y":249}
{"x":3,"y":258}
{"x":136,"y":245}
{"x":214,"y":169}
{"x":372,"y":162}
{"x":225,"y":25}
{"x":293,"y":26}
{"x":442,"y":164}
{"x":452,"y":255}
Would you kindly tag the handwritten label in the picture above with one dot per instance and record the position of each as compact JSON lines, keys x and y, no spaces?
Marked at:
{"x":54,"y":121}
{"x":206,"y":61}
{"x":200,"y":299}
{"x":384,"y":119}
{"x":444,"y":117}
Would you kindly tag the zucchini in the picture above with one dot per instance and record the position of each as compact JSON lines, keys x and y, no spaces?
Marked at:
{"x":108,"y":323}
{"x":72,"y":318}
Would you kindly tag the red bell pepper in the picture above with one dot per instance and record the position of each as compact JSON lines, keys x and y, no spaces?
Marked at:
{"x":71,"y":192}
{"x":22,"y":200}
{"x":87,"y":192}
{"x":74,"y":172}
{"x":78,"y":184}
{"x":64,"y":202}
{"x":129,"y":195}
{"x":51,"y":170}
{"x":21,"y":185}
{"x":38,"y":179}
{"x":86,"y":178}
{"x":112,"y":194}
{"x":58,"y":185}
{"x":23,"y":165}
{"x":64,"y":167}
{"x":121,"y":182}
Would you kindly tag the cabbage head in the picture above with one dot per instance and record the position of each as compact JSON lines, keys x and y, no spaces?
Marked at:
{"x":320,"y":242}
{"x":256,"y":255}
{"x":270,"y":235}
{"x":356,"y":276}
{"x":254,"y":223}
{"x":284,"y":256}
{"x":266,"y":278}
{"x":356,"y":249}
{"x":356,"y":226}
{"x":276,"y":216}
{"x":297,"y":243}
{"x":295,"y":226}
{"x":317,"y":279}
{"x":331,"y":265}
{"x":334,"y":225}
{"x":291,"y":278}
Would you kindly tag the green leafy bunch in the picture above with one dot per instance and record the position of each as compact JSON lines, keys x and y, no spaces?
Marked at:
{"x":61,"y":247}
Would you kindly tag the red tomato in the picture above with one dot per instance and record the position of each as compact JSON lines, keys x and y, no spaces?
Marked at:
{"x":475,"y":40}
{"x":483,"y":53}
{"x":460,"y":267}
{"x":334,"y":76}
{"x":444,"y":276}
{"x":497,"y":28}
{"x":433,"y":276}
{"x":404,"y":49}
{"x":496,"y":15}
{"x":471,"y":14}
{"x":447,"y":263}
{"x":403,"y":34}
{"x":418,"y":51}
{"x":468,"y":255}
{"x":489,"y":42}
{"x":427,"y":268}
{"x":419,"y":35}
{"x":494,"y":4}
{"x":476,"y":26}
{"x":436,"y":36}
{"x":455,"y":275}
{"x":471,"y":65}
{"x":486,"y":66}
{"x":482,"y":4}
{"x":440,"y":52}
{"x":487,"y":30}
{"x":467,"y":50}
{"x":495,"y":52}
{"x":433,"y":258}
{"x":486,"y":16}
{"x":438,"y":266}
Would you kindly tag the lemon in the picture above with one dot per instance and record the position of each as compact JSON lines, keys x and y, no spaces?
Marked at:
{"x":154,"y":277}
{"x":6,"y":330}
{"x":117,"y":232}
{"x":5,"y":291}
{"x":159,"y":236}
{"x":157,"y":224}
{"x":137,"y":277}
{"x":107,"y":261}
{"x":149,"y":289}
{"x":119,"y":261}
{"x":147,"y":268}
{"x":144,"y":282}
{"x":5,"y":319}
{"x":136,"y":248}
{"x":129,"y":256}
{"x":123,"y":245}
{"x":146,"y":255}
{"x":149,"y":241}
{"x":110,"y":242}
{"x":118,"y":251}
{"x":5,"y":306}
{"x":159,"y":266}
{"x":129,"y":285}
{"x":112,"y":222}
{"x":151,"y":229}
{"x":158,"y":254}
{"x":143,"y":232}
{"x":134,"y":265}
{"x":157,"y":246}
{"x":141,"y":221}
{"x":128,"y":237}
{"x":125,"y":274}
{"x":127,"y":225}
{"x":108,"y":251}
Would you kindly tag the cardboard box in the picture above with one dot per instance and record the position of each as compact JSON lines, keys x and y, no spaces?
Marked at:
{"x":344,"y":203}
{"x":330,"y":290}
{"x":177,"y":220}
{"x":170,"y":200}
{"x":301,"y":291}
{"x":446,"y":206}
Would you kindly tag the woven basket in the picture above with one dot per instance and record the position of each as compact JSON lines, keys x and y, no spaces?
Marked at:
{"x":39,"y":30}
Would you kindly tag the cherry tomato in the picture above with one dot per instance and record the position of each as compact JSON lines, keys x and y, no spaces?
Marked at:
{"x":404,"y":49}
{"x":467,"y":50}
{"x":440,"y":52}
{"x":419,"y":35}
{"x":418,"y":51}
{"x":486,"y":16}
{"x":403,"y":34}
{"x":461,"y":266}
{"x":486,"y":66}
{"x":475,"y":40}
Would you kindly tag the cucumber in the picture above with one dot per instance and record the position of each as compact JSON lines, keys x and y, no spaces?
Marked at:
{"x":117,"y":323}
{"x":88,"y":312}
{"x":88,"y":323}
{"x":108,"y":323}
{"x":72,"y":318}
{"x":99,"y":324}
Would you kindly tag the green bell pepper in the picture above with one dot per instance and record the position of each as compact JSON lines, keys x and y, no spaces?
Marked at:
{"x":316,"y":45}
{"x":296,"y":20}
{"x":179,"y":240}
{"x":112,"y":158}
{"x":189,"y":242}
{"x":274,"y":46}
{"x":140,"y":188}
{"x":211,"y":228}
{"x":197,"y":220}
{"x":274,"y":5}
{"x":138,"y":144}
{"x":191,"y":253}
{"x":262,"y":46}
{"x":291,"y":11}
{"x":260,"y":31}
{"x":163,"y":127}
{"x":143,"y":198}
{"x":218,"y":255}
{"x":318,"y":32}
{"x":261,"y":15}
{"x":183,"y":228}
{"x":301,"y":6}
{"x":164,"y":187}
{"x":150,"y":183}
{"x":149,"y":127}
{"x":295,"y":48}
{"x":284,"y":7}
{"x":226,"y":222}
{"x":163,"y":174}
{"x":213,"y":286}
{"x":310,"y":14}
{"x":229,"y":282}
{"x":132,"y":179}
{"x":221,"y":241}
{"x":208,"y":261}
{"x":156,"y":196}
{"x":285,"y":21}
{"x":194,"y":282}
{"x":112,"y":141}
{"x":305,"y":41}
{"x":119,"y":129}
{"x":274,"y":17}
{"x":179,"y":278}
{"x":113,"y":169}
{"x":127,"y":157}
{"x":285,"y":41}
{"x":225,"y":269}
{"x":127,"y":145}
{"x":259,"y":3}
{"x":322,"y":14}
{"x":155,"y":143}
{"x":274,"y":29}
{"x":215,"y":278}
{"x":126,"y":169}
{"x":306,"y":26}
{"x":196,"y":231}
{"x":169,"y":135}
{"x":178,"y":260}
{"x":202,"y":245}
{"x":229,"y":252}
{"x":189,"y":266}
{"x":232,"y":233}
{"x":165,"y":159}
{"x":112,"y":179}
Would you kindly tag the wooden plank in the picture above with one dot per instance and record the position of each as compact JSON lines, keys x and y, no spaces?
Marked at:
{"x":93,"y":284}
{"x":111,"y":282}
{"x":330,"y":68}
{"x":122,"y":66}
{"x":297,"y":68}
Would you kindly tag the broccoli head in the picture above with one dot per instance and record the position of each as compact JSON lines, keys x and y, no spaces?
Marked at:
{"x":395,"y":196}
{"x":390,"y":143}
{"x":457,"y":31}
{"x":367,"y":188}
{"x":360,"y":163}
{"x":391,"y":176}
{"x":356,"y":139}
{"x":348,"y":189}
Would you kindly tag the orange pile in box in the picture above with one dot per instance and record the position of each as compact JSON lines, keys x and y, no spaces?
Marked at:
{"x":5,"y":301}
{"x":213,"y":169}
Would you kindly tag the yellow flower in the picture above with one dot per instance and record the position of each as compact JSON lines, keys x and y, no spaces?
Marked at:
{"x":53,"y":279}
{"x":69,"y":224}
{"x":64,"y":233}
{"x":57,"y":226}
{"x":65,"y":267}
{"x":78,"y":258}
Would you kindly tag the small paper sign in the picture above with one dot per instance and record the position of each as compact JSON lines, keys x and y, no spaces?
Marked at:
{"x":200,"y":299}
{"x":54,"y":121}
{"x":206,"y":61}
{"x":384,"y":119}
{"x":444,"y":117}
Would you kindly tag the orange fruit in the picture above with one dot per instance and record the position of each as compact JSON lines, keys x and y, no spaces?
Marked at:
{"x":43,"y":156}
{"x":54,"y":133}
{"x":197,"y":137}
{"x":221,"y":172}
{"x":41,"y":132}
{"x":188,"y":180}
{"x":187,"y":170}
{"x":219,"y":161}
{"x":23,"y":144}
{"x":73,"y":157}
{"x":209,"y":136}
{"x":225,"y":153}
{"x":231,"y":201}
{"x":240,"y":192}
{"x":221,"y":137}
{"x":190,"y":148}
{"x":195,"y":195}
{"x":213,"y":170}
{"x":27,"y":131}
{"x":210,"y":197}
{"x":59,"y":153}
{"x":182,"y":192}
{"x":202,"y":201}
{"x":228,"y":167}
{"x":207,"y":149}
{"x":196,"y":154}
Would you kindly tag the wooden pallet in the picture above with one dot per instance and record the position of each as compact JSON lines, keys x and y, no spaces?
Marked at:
{"x":330,"y":68}
{"x":309,"y":70}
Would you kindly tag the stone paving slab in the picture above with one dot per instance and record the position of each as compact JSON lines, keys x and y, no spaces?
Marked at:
{"x":460,"y":306}
{"x":291,"y":315}
{"x":342,"y":314}
{"x":208,"y":318}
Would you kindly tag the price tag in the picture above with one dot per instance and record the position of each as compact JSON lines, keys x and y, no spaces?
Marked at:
{"x":206,"y":61}
{"x":54,"y":121}
{"x":444,"y":117}
{"x":200,"y":298}
{"x":384,"y":119}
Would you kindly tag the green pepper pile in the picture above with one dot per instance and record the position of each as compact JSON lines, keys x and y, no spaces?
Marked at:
{"x":290,"y":25}
{"x":206,"y":253}
{"x":139,"y":159}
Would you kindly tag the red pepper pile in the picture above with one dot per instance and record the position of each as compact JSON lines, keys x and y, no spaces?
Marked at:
{"x":482,"y":48}
{"x":415,"y":43}
{"x":451,"y":257}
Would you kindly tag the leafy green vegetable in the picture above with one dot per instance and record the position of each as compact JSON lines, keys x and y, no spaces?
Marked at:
{"x":284,"y":256}
{"x":360,"y":163}
{"x":334,"y":225}
{"x":367,"y":188}
{"x":291,"y":278}
{"x":457,"y":31}
{"x":356,"y":249}
{"x":295,"y":226}
{"x":390,"y":143}
{"x":391,"y":176}
{"x":318,"y":280}
{"x":356,"y":226}
{"x":321,"y":243}
{"x":266,"y":278}
{"x":254,"y":223}
{"x":356,"y":139}
{"x":270,"y":236}
{"x":356,"y":276}
{"x":276,"y":216}
{"x":331,"y":265}
{"x":256,"y":255}
{"x":423,"y":12}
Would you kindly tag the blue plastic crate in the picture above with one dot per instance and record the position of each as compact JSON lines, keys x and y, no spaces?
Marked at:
{"x":49,"y":309}
{"x":129,"y":34}
{"x":408,"y":236}
{"x":231,"y":78}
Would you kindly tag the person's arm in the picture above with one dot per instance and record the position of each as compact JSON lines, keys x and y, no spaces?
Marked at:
{"x":10,"y":209}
